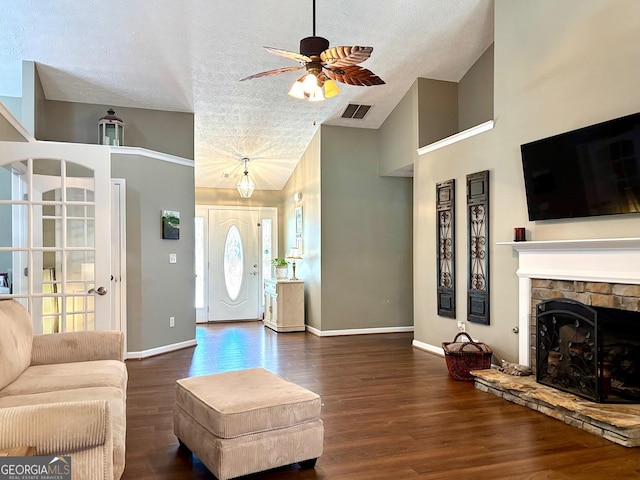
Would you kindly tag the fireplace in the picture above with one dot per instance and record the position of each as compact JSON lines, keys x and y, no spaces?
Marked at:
{"x":598,"y":273}
{"x":611,"y":261}
{"x":590,"y":351}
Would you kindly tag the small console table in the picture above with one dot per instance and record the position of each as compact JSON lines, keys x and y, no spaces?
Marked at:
{"x":284,"y":305}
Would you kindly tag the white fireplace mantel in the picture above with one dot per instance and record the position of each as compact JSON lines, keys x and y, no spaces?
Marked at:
{"x":612,"y":260}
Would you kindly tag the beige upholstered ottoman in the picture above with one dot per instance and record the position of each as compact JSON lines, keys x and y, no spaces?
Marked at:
{"x":247,"y":421}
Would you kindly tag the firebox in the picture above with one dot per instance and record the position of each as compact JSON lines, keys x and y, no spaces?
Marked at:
{"x":592,"y":352}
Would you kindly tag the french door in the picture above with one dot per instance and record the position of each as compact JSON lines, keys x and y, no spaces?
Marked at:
{"x":55,"y":233}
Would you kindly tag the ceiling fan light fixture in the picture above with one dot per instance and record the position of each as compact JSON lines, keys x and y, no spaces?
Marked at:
{"x":341,"y":64}
{"x":310,"y":83}
{"x":245,"y":184}
{"x":331,"y":89}
{"x":316,"y":95}
{"x":297,"y":90}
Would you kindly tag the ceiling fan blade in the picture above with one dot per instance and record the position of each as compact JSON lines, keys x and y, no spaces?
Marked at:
{"x":297,"y":57}
{"x":345,"y":56}
{"x":354,"y":75}
{"x":268,"y":73}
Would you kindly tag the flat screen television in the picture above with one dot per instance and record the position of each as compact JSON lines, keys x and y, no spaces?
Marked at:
{"x":586,"y":172}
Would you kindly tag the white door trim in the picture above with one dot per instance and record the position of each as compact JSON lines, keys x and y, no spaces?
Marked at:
{"x":119,"y":249}
{"x":203,"y":211}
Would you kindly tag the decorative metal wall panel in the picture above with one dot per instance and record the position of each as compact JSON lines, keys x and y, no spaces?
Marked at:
{"x":445,"y":210}
{"x":478,"y":247}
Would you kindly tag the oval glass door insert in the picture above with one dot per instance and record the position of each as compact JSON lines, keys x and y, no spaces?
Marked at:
{"x":233,"y":262}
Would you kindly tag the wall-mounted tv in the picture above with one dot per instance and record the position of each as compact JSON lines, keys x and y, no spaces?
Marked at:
{"x":586,"y":172}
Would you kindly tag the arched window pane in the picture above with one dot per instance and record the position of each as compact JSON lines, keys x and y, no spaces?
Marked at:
{"x":233,"y":262}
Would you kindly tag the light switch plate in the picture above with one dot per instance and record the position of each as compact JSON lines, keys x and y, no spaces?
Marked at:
{"x":173,"y":258}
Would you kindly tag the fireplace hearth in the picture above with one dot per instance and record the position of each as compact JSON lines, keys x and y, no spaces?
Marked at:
{"x":592,"y":352}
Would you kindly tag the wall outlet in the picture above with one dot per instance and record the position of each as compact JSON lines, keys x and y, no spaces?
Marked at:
{"x":461,"y":326}
{"x":172,"y":321}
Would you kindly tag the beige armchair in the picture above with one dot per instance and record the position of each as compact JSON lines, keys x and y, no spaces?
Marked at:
{"x":64,"y":394}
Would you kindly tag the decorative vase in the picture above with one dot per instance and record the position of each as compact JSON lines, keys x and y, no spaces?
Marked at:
{"x":282,"y":271}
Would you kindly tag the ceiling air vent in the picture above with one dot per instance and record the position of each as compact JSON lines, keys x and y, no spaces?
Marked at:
{"x":355,"y":111}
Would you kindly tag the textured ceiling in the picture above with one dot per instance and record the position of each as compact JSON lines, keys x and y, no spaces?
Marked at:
{"x":190,"y":55}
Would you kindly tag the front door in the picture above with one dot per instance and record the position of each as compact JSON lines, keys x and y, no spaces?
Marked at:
{"x":54,"y":245}
{"x":234,"y":264}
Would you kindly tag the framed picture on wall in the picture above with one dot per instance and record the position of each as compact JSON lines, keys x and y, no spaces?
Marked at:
{"x":299,"y":221}
{"x":170,"y":225}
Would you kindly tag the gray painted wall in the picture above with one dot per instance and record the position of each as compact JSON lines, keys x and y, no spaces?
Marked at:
{"x":475,"y":92}
{"x":161,"y":131}
{"x":40,"y":101}
{"x":157,"y":130}
{"x":306,"y":179}
{"x":558,"y":66}
{"x":8,"y":133}
{"x":437,"y":110}
{"x":366,"y":230}
{"x":399,"y":134}
{"x":432,"y":110}
{"x":157,"y":289}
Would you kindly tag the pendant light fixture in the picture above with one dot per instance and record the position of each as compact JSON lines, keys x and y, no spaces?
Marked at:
{"x":245,"y":184}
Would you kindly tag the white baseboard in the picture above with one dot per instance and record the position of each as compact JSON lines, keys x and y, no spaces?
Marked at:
{"x":428,"y":348}
{"x":164,"y":349}
{"x":357,"y":331}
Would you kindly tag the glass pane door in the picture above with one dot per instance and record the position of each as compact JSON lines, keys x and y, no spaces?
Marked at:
{"x":48,"y":247}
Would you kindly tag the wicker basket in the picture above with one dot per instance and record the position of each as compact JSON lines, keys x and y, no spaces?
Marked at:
{"x":462,"y":357}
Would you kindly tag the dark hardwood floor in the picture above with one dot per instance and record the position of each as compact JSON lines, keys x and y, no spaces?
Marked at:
{"x":390,"y":412}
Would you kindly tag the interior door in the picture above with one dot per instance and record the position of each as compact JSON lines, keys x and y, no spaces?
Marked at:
{"x":54,"y":198}
{"x":234,"y":265}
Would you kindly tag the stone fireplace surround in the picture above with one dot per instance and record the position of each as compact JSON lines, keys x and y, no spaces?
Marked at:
{"x":577,"y":263}
{"x":604,"y":271}
{"x":596,"y":294}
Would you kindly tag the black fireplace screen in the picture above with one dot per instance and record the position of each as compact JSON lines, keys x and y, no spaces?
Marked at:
{"x":588,"y":351}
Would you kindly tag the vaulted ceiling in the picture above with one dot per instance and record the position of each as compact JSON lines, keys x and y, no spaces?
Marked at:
{"x":190,"y":55}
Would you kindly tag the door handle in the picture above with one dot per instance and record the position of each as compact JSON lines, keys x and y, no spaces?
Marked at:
{"x":100,"y":291}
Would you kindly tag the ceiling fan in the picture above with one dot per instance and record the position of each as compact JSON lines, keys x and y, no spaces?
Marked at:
{"x":324,"y":66}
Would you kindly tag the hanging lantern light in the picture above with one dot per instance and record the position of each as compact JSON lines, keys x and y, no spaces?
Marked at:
{"x":111,"y":129}
{"x":245,"y":184}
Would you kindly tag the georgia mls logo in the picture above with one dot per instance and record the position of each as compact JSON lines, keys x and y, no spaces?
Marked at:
{"x":35,"y":468}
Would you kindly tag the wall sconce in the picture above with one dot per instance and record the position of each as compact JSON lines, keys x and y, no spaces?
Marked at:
{"x":297,"y":196}
{"x":111,"y":129}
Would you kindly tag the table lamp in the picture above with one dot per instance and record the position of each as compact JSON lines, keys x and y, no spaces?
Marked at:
{"x":294,"y":256}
